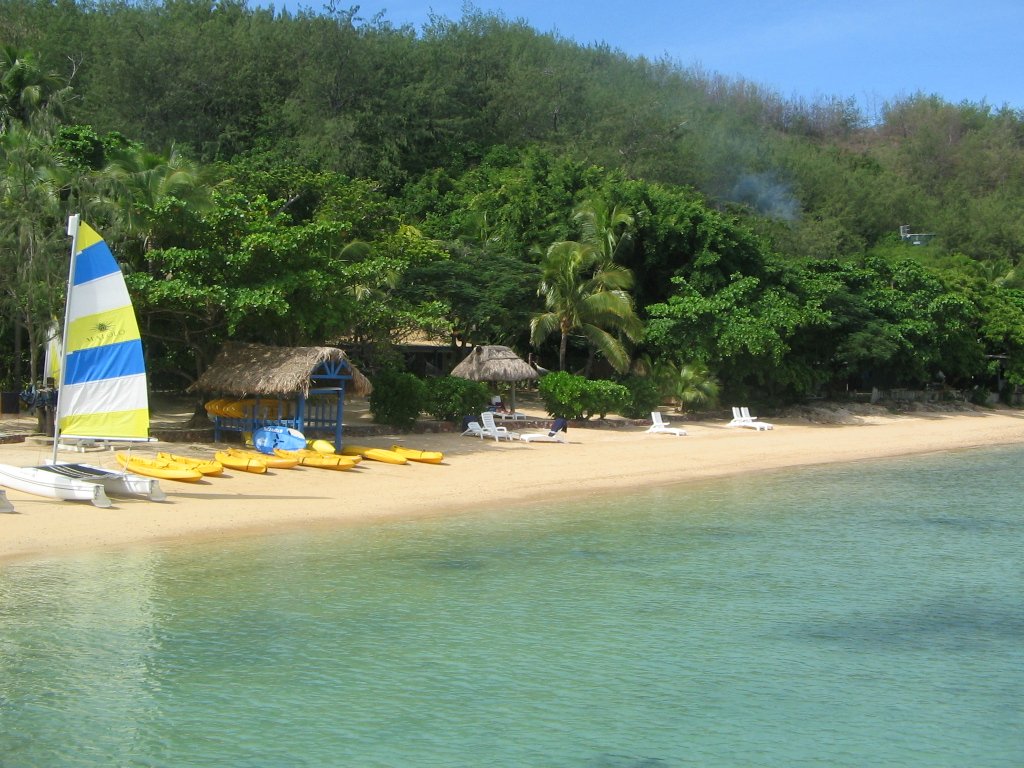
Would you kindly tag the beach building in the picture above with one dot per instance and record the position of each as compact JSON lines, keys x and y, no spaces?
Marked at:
{"x":254,"y":385}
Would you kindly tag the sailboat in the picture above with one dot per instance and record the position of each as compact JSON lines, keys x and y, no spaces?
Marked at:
{"x":102,"y":391}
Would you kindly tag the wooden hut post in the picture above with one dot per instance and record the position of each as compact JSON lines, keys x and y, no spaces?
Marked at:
{"x":338,"y":417}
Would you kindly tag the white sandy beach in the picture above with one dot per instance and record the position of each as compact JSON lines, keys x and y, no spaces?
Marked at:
{"x":476,"y":475}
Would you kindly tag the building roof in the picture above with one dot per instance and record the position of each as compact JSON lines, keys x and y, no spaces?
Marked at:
{"x":247,"y":370}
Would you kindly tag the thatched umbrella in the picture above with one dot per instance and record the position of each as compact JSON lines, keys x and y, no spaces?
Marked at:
{"x":495,"y":363}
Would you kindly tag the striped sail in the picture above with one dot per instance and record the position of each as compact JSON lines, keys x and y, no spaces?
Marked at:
{"x":103,"y":378}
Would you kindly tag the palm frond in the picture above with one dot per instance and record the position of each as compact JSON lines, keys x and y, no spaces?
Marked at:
{"x":542,"y":326}
{"x":613,"y":350}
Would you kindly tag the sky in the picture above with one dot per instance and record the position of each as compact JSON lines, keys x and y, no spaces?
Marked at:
{"x":870,"y":50}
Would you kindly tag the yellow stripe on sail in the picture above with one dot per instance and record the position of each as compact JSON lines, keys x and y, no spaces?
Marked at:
{"x":112,"y":327}
{"x":86,"y":236}
{"x":114,"y":424}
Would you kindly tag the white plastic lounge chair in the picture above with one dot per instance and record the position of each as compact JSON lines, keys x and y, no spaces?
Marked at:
{"x":473,"y":428}
{"x":661,"y":427}
{"x":753,"y":421}
{"x":543,"y":437}
{"x":741,"y":418}
{"x":738,"y":419}
{"x":490,"y":429}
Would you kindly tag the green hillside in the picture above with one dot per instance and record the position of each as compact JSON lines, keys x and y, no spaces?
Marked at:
{"x":314,"y":178}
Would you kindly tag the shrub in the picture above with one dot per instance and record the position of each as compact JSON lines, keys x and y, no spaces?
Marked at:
{"x":449,"y":398}
{"x":562,"y":394}
{"x":576,"y":397}
{"x":397,"y":398}
{"x":644,"y":396}
{"x":602,"y":397}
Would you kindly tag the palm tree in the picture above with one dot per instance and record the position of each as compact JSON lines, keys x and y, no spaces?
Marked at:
{"x":26,"y":91}
{"x":141,"y":181}
{"x":607,"y":231}
{"x":690,"y":384}
{"x":584,"y":295}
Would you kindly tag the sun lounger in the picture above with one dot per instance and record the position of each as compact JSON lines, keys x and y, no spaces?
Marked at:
{"x":661,"y":427}
{"x":543,"y":437}
{"x":741,"y":418}
{"x":490,"y":429}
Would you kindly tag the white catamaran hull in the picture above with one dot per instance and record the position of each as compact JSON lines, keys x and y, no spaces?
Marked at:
{"x":39,"y":482}
{"x":114,"y":483}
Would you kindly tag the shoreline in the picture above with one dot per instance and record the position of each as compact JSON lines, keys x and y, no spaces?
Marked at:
{"x":476,"y":475}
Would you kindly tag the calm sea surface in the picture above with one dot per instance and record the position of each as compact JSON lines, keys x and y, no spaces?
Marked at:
{"x":863,"y":615}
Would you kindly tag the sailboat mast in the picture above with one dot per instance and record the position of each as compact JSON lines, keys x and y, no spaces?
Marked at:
{"x":73,"y":221}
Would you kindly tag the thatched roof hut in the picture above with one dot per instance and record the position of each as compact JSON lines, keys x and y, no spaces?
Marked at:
{"x":244,"y":370}
{"x":494,"y":363}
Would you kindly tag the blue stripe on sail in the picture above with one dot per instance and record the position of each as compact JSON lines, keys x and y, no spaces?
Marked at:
{"x":93,"y":262}
{"x":109,"y":362}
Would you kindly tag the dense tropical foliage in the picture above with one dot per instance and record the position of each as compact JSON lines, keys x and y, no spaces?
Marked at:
{"x":317,"y":178}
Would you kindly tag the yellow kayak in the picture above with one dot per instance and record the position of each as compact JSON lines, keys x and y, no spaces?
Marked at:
{"x":203,"y":466}
{"x":272,"y":462}
{"x":308,"y":458}
{"x":424,"y":457}
{"x":165,"y":470}
{"x":355,"y":457}
{"x":213,"y":407}
{"x":376,"y":454}
{"x":241,"y":463}
{"x":321,"y":446}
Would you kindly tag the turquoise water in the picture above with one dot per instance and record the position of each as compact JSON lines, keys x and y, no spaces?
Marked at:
{"x":864,"y":615}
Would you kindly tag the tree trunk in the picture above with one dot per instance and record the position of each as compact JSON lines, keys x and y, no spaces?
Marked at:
{"x":16,"y":384}
{"x":199,"y":417}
